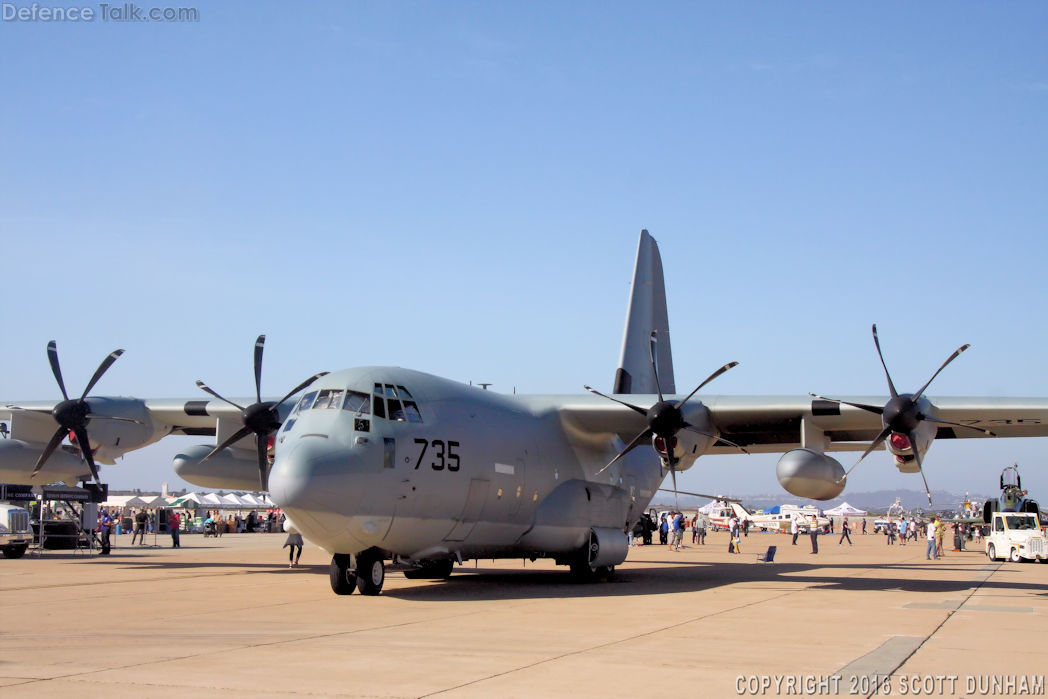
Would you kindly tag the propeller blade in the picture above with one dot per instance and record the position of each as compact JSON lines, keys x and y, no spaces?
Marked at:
{"x":937,"y":421}
{"x":701,"y":495}
{"x":711,"y":377}
{"x":879,"y":410}
{"x":203,"y":387}
{"x":713,"y":436}
{"x":260,"y":344}
{"x":298,"y":388}
{"x":956,"y":353}
{"x":920,"y":465}
{"x":877,"y":342}
{"x":642,"y":411}
{"x":102,"y":369}
{"x":56,"y":439}
{"x":673,"y":475}
{"x":236,"y":437}
{"x":652,"y":344}
{"x":876,"y":443}
{"x":263,"y":462}
{"x":85,"y":449}
{"x":56,"y":369}
{"x":646,"y":434}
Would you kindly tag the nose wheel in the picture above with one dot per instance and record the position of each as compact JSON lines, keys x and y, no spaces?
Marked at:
{"x":371,"y":572}
{"x":343,"y":575}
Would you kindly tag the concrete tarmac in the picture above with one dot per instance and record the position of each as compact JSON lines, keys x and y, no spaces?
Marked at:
{"x":227,"y":617}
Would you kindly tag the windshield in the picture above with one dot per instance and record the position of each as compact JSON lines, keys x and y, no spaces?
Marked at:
{"x":1020,"y":522}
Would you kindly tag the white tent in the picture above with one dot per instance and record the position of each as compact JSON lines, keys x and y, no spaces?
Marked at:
{"x":211,"y":500}
{"x":234,"y":501}
{"x":845,"y":510}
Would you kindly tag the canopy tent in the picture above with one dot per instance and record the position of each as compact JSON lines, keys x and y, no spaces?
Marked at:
{"x":845,"y":510}
{"x":153,"y":501}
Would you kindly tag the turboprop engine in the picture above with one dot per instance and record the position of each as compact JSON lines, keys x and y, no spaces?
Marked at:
{"x":809,"y":474}
{"x":222,"y":470}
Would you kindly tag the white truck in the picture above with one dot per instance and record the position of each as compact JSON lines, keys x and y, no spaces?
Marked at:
{"x":15,"y":531}
{"x":1016,"y":536}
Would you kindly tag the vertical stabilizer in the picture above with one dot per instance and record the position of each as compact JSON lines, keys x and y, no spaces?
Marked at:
{"x":646,"y":313}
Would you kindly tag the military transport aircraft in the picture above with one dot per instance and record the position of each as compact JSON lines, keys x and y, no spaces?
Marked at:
{"x":376,"y":463}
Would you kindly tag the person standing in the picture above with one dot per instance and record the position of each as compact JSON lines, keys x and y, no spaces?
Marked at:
{"x":902,"y":531}
{"x":864,"y":526}
{"x":795,"y":528}
{"x":700,"y":528}
{"x":664,"y":529}
{"x":931,"y":551}
{"x":813,"y":532}
{"x":105,"y":526}
{"x":140,"y":527}
{"x":174,"y":523}
{"x":845,"y":532}
{"x":293,"y":539}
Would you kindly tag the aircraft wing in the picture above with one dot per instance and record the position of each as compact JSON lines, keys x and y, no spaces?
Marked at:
{"x":771,"y":424}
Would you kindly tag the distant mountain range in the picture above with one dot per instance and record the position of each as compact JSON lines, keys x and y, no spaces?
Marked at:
{"x":876,"y":501}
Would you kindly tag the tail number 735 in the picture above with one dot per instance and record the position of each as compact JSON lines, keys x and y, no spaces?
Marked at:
{"x":444,"y":454}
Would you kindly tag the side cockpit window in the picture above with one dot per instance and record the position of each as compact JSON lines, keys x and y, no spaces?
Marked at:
{"x":395,"y":403}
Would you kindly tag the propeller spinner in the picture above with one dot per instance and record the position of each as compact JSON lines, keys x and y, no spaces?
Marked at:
{"x":74,"y":414}
{"x":260,"y":418}
{"x":665,"y":418}
{"x":901,"y":416}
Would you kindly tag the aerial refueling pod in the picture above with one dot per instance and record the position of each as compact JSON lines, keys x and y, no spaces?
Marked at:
{"x":809,"y":474}
{"x":608,"y":547}
{"x":223,"y":470}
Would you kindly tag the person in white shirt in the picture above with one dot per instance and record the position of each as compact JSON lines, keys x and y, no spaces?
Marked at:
{"x":931,"y":552}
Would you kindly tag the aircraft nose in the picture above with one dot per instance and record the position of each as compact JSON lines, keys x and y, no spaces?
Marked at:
{"x":305,"y":474}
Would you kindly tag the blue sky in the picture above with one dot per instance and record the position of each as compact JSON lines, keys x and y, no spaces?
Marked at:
{"x":458,"y":188}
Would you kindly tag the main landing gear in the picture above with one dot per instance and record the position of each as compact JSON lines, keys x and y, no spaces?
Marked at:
{"x":367,"y":575}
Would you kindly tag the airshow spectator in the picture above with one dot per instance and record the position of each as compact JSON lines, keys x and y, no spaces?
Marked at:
{"x":174,"y":523}
{"x":845,"y":531}
{"x":105,"y":526}
{"x":140,"y":527}
{"x":932,"y":551}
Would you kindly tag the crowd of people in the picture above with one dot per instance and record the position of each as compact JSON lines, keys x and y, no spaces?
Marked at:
{"x":672,"y":527}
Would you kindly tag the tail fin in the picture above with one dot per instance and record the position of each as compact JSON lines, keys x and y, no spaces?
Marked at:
{"x":646,"y":314}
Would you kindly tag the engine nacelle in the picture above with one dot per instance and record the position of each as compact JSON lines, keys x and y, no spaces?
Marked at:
{"x":687,"y":446}
{"x":809,"y":474}
{"x":224,"y":470}
{"x":901,"y":448}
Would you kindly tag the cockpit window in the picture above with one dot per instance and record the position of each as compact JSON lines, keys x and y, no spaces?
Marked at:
{"x":357,"y":402}
{"x":329,"y":398}
{"x":305,"y":402}
{"x":395,"y":403}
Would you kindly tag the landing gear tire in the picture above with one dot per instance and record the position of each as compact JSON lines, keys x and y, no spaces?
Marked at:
{"x":583,"y":572}
{"x":371,"y":572}
{"x":15,"y":551}
{"x":991,"y":552}
{"x":1014,"y":556}
{"x":343,"y":576}
{"x":431,"y":570}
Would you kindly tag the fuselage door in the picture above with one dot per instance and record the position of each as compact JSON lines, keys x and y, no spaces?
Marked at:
{"x":475,"y":499}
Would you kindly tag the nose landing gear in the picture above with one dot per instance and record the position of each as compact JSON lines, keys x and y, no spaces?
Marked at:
{"x":367,"y":575}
